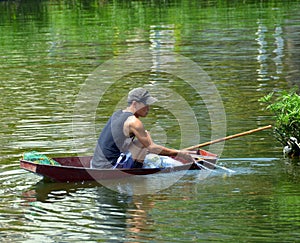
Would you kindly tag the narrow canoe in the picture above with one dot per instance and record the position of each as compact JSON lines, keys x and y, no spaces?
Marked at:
{"x":77,"y":169}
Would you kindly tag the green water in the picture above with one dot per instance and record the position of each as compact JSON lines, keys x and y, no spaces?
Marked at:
{"x":66,"y":65}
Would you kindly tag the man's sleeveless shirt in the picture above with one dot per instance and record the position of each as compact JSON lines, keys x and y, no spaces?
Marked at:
{"x":112,"y":141}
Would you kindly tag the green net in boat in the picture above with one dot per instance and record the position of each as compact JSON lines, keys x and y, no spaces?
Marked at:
{"x":39,"y":158}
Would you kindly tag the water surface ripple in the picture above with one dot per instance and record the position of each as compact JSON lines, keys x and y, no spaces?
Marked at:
{"x":49,"y":48}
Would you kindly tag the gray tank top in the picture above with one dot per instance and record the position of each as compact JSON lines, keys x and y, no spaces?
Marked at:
{"x":112,"y":141}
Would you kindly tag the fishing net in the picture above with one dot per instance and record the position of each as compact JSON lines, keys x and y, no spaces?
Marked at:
{"x":39,"y":158}
{"x":158,"y":161}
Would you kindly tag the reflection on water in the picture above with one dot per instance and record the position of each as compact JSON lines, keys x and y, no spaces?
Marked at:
{"x":94,"y":211}
{"x":48,"y":49}
{"x":264,"y":52}
{"x":135,"y":185}
{"x":78,"y":211}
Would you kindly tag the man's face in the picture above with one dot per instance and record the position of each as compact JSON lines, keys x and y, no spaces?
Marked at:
{"x":142,"y":109}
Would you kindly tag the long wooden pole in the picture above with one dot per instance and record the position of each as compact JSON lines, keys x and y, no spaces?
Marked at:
{"x":228,"y":137}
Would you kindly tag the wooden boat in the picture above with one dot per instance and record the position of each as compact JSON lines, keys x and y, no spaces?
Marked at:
{"x":77,"y":169}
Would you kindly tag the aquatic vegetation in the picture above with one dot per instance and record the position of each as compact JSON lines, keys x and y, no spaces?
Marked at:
{"x":286,"y":108}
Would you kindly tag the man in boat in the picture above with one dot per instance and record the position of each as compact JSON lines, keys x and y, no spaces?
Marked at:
{"x":124,"y":142}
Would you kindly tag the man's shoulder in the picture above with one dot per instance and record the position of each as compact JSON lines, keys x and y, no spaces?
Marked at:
{"x":133,"y":119}
{"x":134,"y":122}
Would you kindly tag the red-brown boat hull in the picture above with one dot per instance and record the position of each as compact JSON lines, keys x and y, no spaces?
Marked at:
{"x":77,"y":169}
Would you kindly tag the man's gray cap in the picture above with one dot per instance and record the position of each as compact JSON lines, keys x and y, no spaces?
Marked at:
{"x":141,"y":95}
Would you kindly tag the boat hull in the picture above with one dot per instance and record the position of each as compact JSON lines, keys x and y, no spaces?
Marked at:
{"x":77,"y":169}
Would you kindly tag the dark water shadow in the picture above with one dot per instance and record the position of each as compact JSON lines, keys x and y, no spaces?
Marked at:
{"x":45,"y":191}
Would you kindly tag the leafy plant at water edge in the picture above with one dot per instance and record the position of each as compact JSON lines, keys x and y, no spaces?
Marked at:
{"x":286,"y":107}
